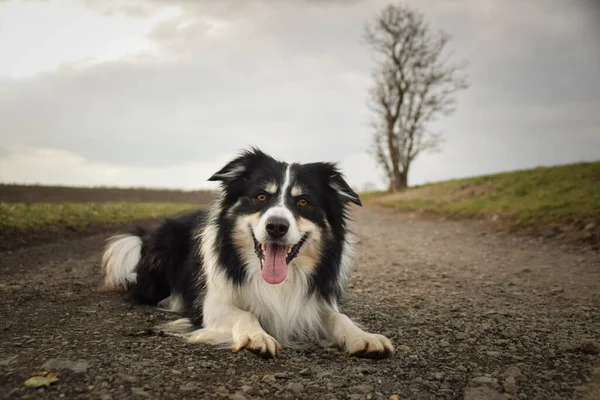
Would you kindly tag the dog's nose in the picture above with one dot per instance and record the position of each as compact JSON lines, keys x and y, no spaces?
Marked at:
{"x":277,"y":227}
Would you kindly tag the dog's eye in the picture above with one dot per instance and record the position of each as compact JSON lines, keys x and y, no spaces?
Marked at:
{"x":261,"y":197}
{"x":302,"y":202}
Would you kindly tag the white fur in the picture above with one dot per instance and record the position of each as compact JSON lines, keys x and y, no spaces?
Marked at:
{"x":174,"y":303}
{"x":293,"y":234}
{"x":342,"y":192}
{"x":271,"y":188}
{"x":348,"y":336}
{"x":347,"y":261}
{"x":296,"y":191}
{"x":121,"y":255}
{"x":286,"y":184}
{"x":230,"y":174}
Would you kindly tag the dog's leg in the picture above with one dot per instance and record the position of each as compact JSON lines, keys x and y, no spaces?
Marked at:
{"x":228,"y":325}
{"x":353,"y":340}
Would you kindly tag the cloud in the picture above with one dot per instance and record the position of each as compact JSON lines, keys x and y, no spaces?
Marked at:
{"x":206,"y":78}
{"x":57,"y":166}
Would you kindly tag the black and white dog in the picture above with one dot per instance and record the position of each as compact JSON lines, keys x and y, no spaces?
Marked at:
{"x":266,"y":265}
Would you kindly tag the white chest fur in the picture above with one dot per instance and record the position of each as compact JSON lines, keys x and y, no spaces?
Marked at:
{"x":284,"y":310}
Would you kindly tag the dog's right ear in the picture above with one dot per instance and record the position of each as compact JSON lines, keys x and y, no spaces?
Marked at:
{"x":240,"y":166}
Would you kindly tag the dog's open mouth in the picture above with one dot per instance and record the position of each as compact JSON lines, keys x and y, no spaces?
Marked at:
{"x":275,"y":257}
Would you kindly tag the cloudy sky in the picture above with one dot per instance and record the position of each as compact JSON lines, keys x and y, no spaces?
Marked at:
{"x":163,"y":92}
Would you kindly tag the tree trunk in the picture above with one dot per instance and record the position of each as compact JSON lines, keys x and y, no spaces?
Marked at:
{"x":398,"y":181}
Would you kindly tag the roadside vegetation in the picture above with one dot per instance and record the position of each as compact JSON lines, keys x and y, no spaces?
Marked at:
{"x":552,"y":201}
{"x":76,"y":215}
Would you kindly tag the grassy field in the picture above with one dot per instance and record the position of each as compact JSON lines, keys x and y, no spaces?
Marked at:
{"x":10,"y":193}
{"x":36,"y":214}
{"x":551,"y":199}
{"x":76,"y":215}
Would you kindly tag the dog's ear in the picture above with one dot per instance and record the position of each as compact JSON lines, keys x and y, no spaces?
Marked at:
{"x":339,"y":184}
{"x":239,"y":166}
{"x":336,"y":181}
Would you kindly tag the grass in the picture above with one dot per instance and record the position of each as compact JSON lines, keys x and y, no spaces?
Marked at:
{"x":567,"y":195}
{"x":39,"y":215}
{"x":368,"y":196}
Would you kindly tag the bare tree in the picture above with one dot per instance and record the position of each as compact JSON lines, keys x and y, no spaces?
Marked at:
{"x":414,"y":85}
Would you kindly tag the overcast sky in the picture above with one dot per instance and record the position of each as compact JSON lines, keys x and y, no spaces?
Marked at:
{"x":163,"y":92}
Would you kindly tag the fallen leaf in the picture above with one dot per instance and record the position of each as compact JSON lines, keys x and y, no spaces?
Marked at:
{"x":39,"y":381}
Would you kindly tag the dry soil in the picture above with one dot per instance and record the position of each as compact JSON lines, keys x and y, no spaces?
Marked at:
{"x":472,"y":315}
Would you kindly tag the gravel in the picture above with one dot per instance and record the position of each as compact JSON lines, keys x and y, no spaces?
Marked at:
{"x":473,"y":315}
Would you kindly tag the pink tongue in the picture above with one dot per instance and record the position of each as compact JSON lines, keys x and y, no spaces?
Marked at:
{"x":274,"y":267}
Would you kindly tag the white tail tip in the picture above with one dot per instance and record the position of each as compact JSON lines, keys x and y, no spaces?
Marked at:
{"x":121,"y":255}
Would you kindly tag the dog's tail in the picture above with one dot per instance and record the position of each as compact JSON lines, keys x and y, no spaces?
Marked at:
{"x":121,"y":255}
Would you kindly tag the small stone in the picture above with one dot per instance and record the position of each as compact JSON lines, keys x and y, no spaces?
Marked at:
{"x":590,"y":226}
{"x":394,"y":397}
{"x":5,"y":361}
{"x":280,"y":375}
{"x":439,"y":376}
{"x":482,"y":393}
{"x":306,"y":371}
{"x":462,"y":368}
{"x":237,"y":396}
{"x":495,"y":218}
{"x":128,"y":378}
{"x":513,"y":371}
{"x":403,"y":348}
{"x":362,"y":389}
{"x":246,"y":388}
{"x":139,"y":392}
{"x":510,"y":385}
{"x":461,"y":335}
{"x":323,"y":374}
{"x":188,"y":387}
{"x":493,"y":353}
{"x":444,"y":343}
{"x":268,"y":378}
{"x":483,"y":380}
{"x":589,"y":347}
{"x":79,"y":367}
{"x":295,"y":387}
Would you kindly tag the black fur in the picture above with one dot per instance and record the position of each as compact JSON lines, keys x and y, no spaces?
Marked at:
{"x":170,"y":263}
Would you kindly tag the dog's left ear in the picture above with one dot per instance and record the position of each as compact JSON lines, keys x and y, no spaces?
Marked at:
{"x":339,"y":184}
{"x":239,"y":166}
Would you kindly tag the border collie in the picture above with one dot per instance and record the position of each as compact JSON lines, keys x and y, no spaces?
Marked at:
{"x":265,"y":267}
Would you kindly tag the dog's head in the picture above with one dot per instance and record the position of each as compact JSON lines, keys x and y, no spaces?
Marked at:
{"x":283,"y":214}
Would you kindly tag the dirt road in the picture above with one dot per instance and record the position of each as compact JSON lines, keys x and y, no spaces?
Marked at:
{"x":472,"y":315}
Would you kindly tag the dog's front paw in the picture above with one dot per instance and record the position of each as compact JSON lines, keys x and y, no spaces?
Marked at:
{"x":368,"y":345}
{"x":260,"y":343}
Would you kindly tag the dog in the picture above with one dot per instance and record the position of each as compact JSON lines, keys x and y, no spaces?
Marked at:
{"x":266,"y":266}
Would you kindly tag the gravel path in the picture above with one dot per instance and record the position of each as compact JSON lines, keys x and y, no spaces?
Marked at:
{"x":472,"y":315}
